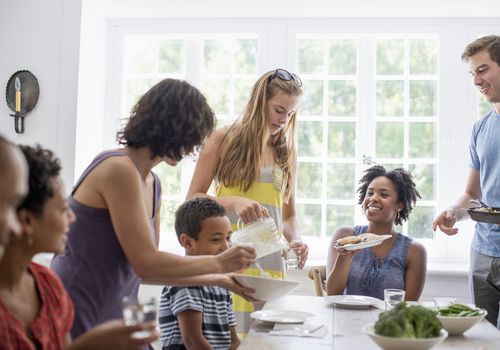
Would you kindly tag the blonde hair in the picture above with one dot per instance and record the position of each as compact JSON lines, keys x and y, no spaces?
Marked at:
{"x":242,"y":151}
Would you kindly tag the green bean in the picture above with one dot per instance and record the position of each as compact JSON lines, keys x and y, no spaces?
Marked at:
{"x":458,"y":310}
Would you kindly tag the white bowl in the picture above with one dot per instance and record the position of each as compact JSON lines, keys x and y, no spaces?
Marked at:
{"x":391,"y":343}
{"x":266,"y":288}
{"x":458,"y":325}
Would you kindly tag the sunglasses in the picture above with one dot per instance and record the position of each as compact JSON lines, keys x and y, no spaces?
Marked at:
{"x":285,"y":75}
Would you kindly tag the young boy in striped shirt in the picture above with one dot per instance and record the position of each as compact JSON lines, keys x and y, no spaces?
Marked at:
{"x":199,"y":317}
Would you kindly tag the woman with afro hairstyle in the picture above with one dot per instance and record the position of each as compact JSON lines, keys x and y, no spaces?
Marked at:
{"x":113,"y":244}
{"x":386,"y":198}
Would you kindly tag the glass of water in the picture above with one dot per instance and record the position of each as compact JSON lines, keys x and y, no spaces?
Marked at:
{"x":137,"y":311}
{"x":291,"y":259}
{"x":393,"y":297}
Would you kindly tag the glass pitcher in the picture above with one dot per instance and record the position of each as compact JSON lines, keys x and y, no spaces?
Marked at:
{"x":262,"y":235}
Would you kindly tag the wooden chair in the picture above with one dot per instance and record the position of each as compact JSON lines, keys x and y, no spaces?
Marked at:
{"x":318,"y":275}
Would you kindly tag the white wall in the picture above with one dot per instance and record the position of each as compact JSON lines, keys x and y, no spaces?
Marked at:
{"x":43,"y":37}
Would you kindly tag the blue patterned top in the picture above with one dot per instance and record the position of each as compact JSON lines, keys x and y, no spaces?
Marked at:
{"x":370,"y":275}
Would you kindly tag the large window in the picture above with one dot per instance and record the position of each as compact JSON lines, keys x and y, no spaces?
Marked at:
{"x":369,"y":99}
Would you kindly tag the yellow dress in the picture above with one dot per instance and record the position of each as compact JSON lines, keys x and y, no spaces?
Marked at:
{"x":268,"y":193}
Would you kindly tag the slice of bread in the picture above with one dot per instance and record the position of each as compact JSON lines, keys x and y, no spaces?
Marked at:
{"x":348,"y":240}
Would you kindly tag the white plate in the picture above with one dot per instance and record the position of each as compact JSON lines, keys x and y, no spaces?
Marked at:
{"x":281,"y":316}
{"x":368,"y":244}
{"x":353,"y":301}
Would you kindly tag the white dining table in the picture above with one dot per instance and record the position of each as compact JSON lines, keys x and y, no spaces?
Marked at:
{"x":345,"y":329}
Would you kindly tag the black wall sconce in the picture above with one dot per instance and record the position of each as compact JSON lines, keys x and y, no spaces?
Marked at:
{"x":21,"y":93}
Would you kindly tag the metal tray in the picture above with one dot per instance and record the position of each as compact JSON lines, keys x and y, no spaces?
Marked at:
{"x":482,"y":216}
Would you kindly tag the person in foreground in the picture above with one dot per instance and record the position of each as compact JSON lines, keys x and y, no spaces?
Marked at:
{"x":113,"y":244}
{"x":387,"y":198}
{"x":483,"y":183}
{"x":13,"y":189}
{"x":35,"y":310}
{"x":199,"y":317}
{"x":254,"y":163}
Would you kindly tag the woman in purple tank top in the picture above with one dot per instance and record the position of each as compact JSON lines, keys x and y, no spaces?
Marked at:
{"x":113,"y":244}
{"x":387,"y":198}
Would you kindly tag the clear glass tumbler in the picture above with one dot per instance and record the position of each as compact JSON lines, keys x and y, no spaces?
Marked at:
{"x":137,"y":311}
{"x":393,"y":297}
{"x":292,"y":259}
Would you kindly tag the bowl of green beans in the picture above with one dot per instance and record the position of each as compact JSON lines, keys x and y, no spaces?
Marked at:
{"x":458,"y":318}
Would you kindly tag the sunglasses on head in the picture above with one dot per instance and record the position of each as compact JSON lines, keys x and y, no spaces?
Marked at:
{"x":285,"y":75}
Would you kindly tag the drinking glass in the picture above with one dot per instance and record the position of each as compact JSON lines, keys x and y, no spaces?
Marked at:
{"x":292,"y":259}
{"x":137,"y":311}
{"x":393,"y":297}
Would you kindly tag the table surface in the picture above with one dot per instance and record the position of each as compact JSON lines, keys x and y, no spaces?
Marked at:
{"x":345,"y":329}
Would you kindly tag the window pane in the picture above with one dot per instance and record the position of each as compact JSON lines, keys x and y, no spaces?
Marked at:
{"x":242,"y":88}
{"x":310,"y":136}
{"x":423,"y":56}
{"x":217,"y":56}
{"x":246,"y":56}
{"x":420,"y":222}
{"x":390,"y":98}
{"x":310,"y":219}
{"x":422,"y":140}
{"x":424,"y":176}
{"x":341,"y":139}
{"x":309,"y":180}
{"x":338,"y":216}
{"x":389,"y":140}
{"x":392,"y":166}
{"x":140,"y":54}
{"x":310,"y":56}
{"x":312,"y":100}
{"x":343,"y":57}
{"x":170,"y":178}
{"x":422,"y":98}
{"x":484,"y":106}
{"x":390,"y":57}
{"x":217,"y":92}
{"x":340,"y":181}
{"x":168,"y":208}
{"x":172,"y":57}
{"x":135,"y":89}
{"x":342,"y":98}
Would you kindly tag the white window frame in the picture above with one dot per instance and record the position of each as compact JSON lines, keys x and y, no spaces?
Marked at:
{"x":277,"y":36}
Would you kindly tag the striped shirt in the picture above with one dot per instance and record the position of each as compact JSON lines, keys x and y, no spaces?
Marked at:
{"x":214,"y":302}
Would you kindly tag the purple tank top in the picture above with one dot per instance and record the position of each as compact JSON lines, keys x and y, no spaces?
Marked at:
{"x":370,"y":276}
{"x":93,"y":267}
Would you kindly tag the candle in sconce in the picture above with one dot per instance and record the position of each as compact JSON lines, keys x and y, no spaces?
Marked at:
{"x":17,"y":86}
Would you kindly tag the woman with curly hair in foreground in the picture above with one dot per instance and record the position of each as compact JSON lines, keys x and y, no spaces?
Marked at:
{"x":113,"y":244}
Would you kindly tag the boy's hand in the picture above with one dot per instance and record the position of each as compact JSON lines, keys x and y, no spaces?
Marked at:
{"x":236,"y":258}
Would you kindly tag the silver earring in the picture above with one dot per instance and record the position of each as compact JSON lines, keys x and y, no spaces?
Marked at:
{"x":30,"y":241}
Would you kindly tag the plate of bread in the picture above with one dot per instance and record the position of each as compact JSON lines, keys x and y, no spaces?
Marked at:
{"x":364,"y":240}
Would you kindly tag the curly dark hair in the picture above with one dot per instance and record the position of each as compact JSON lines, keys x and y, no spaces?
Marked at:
{"x":172,"y":119}
{"x":190,"y":215}
{"x":43,"y":166}
{"x":402,"y":179}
